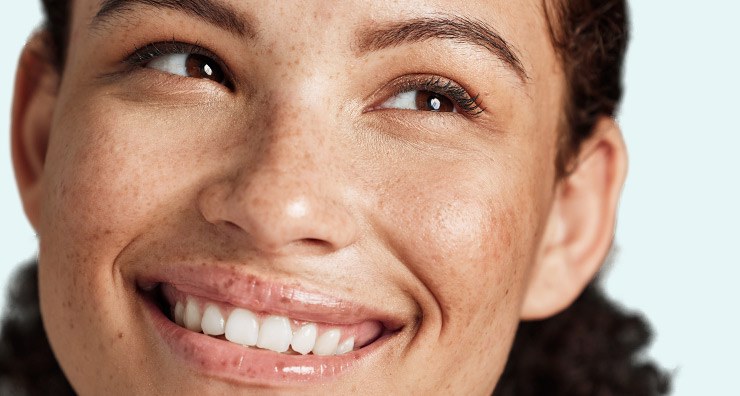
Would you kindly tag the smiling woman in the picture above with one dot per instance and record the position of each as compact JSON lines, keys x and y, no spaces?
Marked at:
{"x":231,"y":197}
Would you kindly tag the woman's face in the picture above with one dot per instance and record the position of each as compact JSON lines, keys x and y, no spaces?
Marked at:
{"x":384,"y":169}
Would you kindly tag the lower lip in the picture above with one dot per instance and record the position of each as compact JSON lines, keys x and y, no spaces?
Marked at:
{"x":251,"y":366}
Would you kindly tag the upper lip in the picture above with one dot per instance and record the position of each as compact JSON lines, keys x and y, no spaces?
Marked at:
{"x":239,"y":288}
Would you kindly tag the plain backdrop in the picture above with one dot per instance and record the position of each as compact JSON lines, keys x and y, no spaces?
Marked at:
{"x":679,"y":217}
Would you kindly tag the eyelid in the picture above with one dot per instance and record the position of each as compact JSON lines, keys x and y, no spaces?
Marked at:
{"x":469,"y":105}
{"x":143,"y":55}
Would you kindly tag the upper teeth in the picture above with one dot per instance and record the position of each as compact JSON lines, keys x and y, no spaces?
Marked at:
{"x":274,"y":333}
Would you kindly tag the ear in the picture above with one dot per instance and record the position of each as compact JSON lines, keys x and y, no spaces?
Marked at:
{"x":580,"y":227}
{"x":36,"y":85}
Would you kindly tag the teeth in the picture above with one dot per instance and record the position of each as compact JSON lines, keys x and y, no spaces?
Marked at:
{"x":179,"y":313}
{"x":242,"y":327}
{"x":304,"y":339}
{"x":327,"y":343}
{"x":275,"y":334}
{"x":346,"y":346}
{"x":192,"y":317}
{"x":212,"y":322}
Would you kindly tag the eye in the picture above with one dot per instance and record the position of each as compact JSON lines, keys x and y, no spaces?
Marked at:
{"x":182,"y":59}
{"x":189,"y":65}
{"x":422,"y":100}
{"x":432,"y":94}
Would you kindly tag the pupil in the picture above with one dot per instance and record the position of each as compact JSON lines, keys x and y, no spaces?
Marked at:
{"x":431,"y":101}
{"x":434,"y":103}
{"x":199,"y":66}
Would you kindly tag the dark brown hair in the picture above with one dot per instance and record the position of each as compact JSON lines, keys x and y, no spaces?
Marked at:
{"x":590,"y":37}
{"x":592,"y":348}
{"x":58,"y":19}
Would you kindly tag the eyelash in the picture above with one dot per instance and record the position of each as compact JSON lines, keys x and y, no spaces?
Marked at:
{"x":443,"y":86}
{"x":141,"y":56}
{"x":439,"y":85}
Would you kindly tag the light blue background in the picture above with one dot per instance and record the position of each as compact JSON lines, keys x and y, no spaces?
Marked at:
{"x":678,"y":223}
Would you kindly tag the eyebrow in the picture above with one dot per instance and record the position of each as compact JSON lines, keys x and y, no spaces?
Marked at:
{"x":213,"y":12}
{"x":455,"y":28}
{"x":459,"y":29}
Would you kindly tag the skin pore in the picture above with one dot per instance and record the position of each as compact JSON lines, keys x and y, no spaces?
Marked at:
{"x":307,"y":165}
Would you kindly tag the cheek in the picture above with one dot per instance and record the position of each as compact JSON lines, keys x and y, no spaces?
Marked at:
{"x":464,"y":232}
{"x":469,"y":239}
{"x":115,"y":169}
{"x":112,"y":172}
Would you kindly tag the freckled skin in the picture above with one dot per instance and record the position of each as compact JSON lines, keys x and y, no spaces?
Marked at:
{"x":437,"y":216}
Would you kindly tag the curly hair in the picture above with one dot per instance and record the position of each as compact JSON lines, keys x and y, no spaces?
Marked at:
{"x":27,"y":365}
{"x":590,"y":37}
{"x":591,"y":348}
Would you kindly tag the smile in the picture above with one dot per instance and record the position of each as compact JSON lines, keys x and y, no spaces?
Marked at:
{"x":276,"y":333}
{"x":249,"y":330}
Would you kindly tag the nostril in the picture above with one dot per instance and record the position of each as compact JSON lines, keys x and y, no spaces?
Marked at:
{"x":316,"y":245}
{"x":233,"y":225}
{"x":317,"y":242}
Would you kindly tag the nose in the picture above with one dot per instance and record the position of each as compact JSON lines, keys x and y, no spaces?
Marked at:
{"x":288,"y":197}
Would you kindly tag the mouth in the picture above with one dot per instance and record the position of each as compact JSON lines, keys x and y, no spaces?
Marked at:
{"x":251,"y":331}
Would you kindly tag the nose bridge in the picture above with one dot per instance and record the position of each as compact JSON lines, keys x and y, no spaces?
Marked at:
{"x":289,"y":193}
{"x":300,"y":141}
{"x":296,"y":137}
{"x":285,"y":182}
{"x":293,"y":156}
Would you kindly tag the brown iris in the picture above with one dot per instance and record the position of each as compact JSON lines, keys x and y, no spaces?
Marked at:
{"x":432,"y":101}
{"x":199,"y":66}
